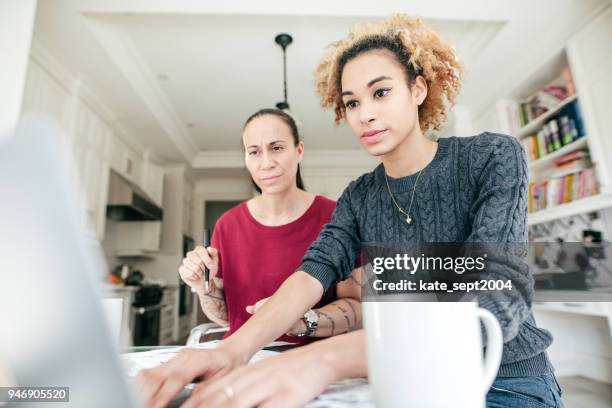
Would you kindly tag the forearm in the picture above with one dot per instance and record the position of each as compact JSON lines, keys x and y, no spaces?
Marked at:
{"x":512,"y":306}
{"x":292,"y":299}
{"x":340,"y":316}
{"x":343,"y":356}
{"x":214,"y":306}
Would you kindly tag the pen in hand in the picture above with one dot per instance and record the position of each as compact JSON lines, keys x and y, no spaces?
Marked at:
{"x":206,"y":239}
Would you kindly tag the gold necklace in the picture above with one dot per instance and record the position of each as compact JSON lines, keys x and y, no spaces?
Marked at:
{"x":407,"y":214}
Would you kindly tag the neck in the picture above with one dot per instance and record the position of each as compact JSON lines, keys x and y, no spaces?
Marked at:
{"x":278,"y":209}
{"x":411,"y":156}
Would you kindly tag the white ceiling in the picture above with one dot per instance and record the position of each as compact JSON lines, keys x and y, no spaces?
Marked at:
{"x":182,"y":76}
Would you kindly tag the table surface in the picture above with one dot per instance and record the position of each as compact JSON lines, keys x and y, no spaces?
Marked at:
{"x":353,"y":393}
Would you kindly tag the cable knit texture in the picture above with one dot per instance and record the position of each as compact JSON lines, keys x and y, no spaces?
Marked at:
{"x":474,"y":190}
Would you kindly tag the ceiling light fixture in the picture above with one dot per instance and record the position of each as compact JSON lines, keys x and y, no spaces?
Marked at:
{"x":284,"y":40}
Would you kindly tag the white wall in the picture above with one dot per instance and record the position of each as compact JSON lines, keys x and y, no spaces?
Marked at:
{"x":331,"y":182}
{"x":487,"y":122}
{"x":16,"y":27}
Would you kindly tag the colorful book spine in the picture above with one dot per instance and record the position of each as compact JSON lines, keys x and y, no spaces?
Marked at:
{"x":569,"y":80}
{"x":574,"y":112}
{"x":561,"y":190}
{"x":554,"y":131}
{"x":541,"y":139}
{"x":566,"y":130}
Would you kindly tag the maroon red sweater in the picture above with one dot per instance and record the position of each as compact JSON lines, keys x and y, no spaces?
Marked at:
{"x":255,"y":259}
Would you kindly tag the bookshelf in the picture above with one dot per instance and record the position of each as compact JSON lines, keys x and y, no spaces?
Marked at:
{"x":548,"y":160}
{"x":536,"y":123}
{"x":546,"y":114}
{"x":589,"y":56}
{"x":584,"y":205}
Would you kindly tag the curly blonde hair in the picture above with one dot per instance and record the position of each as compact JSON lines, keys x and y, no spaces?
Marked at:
{"x":418,"y":48}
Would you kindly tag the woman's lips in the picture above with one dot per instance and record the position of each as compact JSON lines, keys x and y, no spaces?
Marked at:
{"x":269,"y":179}
{"x":372,"y":136}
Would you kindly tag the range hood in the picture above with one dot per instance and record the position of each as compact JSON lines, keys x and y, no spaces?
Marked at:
{"x":127,"y":202}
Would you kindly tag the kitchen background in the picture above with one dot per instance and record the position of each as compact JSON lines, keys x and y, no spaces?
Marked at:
{"x":151,"y":97}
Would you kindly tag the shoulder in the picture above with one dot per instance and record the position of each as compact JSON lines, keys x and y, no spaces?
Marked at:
{"x":488,"y":149}
{"x":496,"y":157}
{"x":323,"y":207}
{"x":324,"y":203}
{"x":486,"y":141}
{"x":358,"y":188}
{"x":496,"y":143}
{"x":231,"y":216}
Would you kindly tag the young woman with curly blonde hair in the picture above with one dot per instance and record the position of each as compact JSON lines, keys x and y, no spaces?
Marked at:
{"x":392,"y":81}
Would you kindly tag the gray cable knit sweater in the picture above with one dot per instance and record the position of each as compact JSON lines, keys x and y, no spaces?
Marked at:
{"x":474,"y":190}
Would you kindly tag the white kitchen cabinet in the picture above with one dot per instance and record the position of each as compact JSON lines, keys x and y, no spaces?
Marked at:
{"x":82,"y":133}
{"x":138,"y":237}
{"x":89,"y":143}
{"x":44,"y":95}
{"x":92,"y":144}
{"x":187,"y":206}
{"x":132,"y":167}
{"x":168,"y":316}
{"x":114,"y":153}
{"x":153,"y":181}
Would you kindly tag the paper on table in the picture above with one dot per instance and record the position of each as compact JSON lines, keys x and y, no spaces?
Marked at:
{"x":134,"y":362}
{"x":353,"y":393}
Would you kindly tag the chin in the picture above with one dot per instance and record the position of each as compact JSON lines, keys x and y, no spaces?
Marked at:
{"x":276,"y":189}
{"x":377,"y":150}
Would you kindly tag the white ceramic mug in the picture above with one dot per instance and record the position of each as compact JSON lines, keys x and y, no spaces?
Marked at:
{"x":429,"y":354}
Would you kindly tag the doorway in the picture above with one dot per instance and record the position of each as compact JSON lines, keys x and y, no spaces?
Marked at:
{"x":213,"y":211}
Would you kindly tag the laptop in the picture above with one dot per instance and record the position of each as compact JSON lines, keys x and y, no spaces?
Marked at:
{"x":52,"y":329}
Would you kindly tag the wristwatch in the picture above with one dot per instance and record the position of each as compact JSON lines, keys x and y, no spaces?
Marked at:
{"x":311,"y":320}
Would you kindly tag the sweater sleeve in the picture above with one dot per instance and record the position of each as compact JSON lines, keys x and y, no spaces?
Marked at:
{"x":331,"y":257}
{"x":499,"y":211}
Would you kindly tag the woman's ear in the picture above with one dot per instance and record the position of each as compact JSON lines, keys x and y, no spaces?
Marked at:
{"x":300,"y":150}
{"x":419,"y":90}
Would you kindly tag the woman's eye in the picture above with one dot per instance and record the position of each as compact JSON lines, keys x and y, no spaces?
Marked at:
{"x":253,"y":153}
{"x":350,"y":105}
{"x":381,"y":92}
{"x":277,"y":148}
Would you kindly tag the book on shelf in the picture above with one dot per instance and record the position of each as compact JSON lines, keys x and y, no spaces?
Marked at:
{"x":572,"y":167}
{"x":569,"y":80}
{"x":576,"y":121}
{"x":519,"y":113}
{"x":562,"y":189}
{"x":556,"y":133}
{"x":570,"y":157}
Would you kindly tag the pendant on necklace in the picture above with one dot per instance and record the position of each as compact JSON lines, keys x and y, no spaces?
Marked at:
{"x":408,"y":220}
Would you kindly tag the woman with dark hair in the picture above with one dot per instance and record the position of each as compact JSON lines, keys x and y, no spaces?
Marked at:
{"x":259,"y":243}
{"x":290,"y":122}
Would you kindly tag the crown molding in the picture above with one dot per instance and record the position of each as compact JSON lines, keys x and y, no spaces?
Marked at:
{"x":76,"y":87}
{"x":120,"y":48}
{"x":50,"y":65}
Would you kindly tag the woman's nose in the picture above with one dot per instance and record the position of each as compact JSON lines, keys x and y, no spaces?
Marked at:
{"x":366,"y":113}
{"x":266,"y":160}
